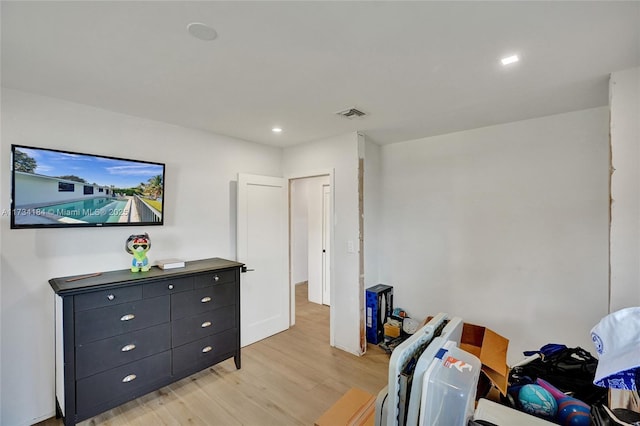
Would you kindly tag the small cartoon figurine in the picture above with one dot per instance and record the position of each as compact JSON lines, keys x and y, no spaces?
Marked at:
{"x":138,"y":246}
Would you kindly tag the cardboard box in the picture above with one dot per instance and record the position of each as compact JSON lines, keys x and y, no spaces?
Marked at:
{"x":491,"y":348}
{"x":355,"y":408}
{"x":391,"y":329}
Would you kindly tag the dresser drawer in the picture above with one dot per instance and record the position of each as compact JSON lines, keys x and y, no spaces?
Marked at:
{"x":192,"y":328}
{"x":96,"y":324}
{"x":202,"y":299}
{"x":114,"y":296}
{"x":108,"y":353}
{"x":204,"y":352}
{"x":214,"y":278}
{"x":105,"y":386}
{"x":161,"y":288}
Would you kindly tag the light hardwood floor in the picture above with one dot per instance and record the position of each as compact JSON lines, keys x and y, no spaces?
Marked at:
{"x":288,"y":379}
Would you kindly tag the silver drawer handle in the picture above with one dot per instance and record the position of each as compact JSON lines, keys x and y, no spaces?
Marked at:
{"x":129,"y":378}
{"x":205,"y":299}
{"x":206,"y":349}
{"x":127,"y":317}
{"x":206,"y":324}
{"x":170,"y":286}
{"x":111,"y":297}
{"x":128,"y":348}
{"x":216,"y":278}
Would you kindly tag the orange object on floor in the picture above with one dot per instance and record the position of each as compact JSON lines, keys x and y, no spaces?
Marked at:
{"x":355,"y":408}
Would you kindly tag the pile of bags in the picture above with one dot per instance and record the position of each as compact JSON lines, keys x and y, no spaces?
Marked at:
{"x":569,"y":386}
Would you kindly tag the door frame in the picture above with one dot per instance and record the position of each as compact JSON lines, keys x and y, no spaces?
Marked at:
{"x":292,"y":296}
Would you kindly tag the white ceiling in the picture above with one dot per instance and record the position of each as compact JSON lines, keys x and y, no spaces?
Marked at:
{"x":417,"y":68}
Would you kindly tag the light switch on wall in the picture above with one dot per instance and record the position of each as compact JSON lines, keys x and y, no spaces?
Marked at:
{"x":351,"y":248}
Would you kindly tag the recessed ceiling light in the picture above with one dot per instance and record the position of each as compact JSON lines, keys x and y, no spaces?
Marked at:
{"x":509,"y":60}
{"x":276,"y":130}
{"x":202,"y":31}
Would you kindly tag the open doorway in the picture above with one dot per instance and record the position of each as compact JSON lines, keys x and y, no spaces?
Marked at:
{"x":310,"y":226}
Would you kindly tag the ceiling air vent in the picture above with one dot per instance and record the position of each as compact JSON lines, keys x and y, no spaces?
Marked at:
{"x":351,"y":113}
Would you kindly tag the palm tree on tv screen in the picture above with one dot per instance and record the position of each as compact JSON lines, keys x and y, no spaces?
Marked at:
{"x":153,"y":188}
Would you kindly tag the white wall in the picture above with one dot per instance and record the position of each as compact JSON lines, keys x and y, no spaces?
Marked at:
{"x":299,"y":231}
{"x":339,"y":154}
{"x":201,"y":172}
{"x":505,"y":226}
{"x":372,"y":205}
{"x":624,"y":97}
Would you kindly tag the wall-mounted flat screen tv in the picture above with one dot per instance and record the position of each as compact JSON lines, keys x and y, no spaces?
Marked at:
{"x":59,"y":189}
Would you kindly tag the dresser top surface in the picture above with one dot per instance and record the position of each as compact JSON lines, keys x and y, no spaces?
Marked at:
{"x":78,"y":283}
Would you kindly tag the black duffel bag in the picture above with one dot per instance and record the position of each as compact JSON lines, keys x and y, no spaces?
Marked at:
{"x":571,"y":370}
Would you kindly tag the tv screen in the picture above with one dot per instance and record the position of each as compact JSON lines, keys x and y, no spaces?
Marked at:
{"x":56,"y":189}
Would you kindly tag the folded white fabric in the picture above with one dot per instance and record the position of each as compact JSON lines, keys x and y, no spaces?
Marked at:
{"x":617,"y":340}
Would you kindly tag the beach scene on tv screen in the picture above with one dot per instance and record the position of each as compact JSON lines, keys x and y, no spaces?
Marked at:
{"x":60,"y":188}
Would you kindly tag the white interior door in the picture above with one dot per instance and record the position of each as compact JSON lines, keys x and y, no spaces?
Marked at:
{"x":326,"y":244}
{"x":262,"y":241}
{"x":314,"y":237}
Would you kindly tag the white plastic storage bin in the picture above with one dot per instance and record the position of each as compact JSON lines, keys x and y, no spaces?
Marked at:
{"x":449,"y":388}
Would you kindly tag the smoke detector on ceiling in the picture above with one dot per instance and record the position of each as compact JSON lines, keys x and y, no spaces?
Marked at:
{"x":351,"y":113}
